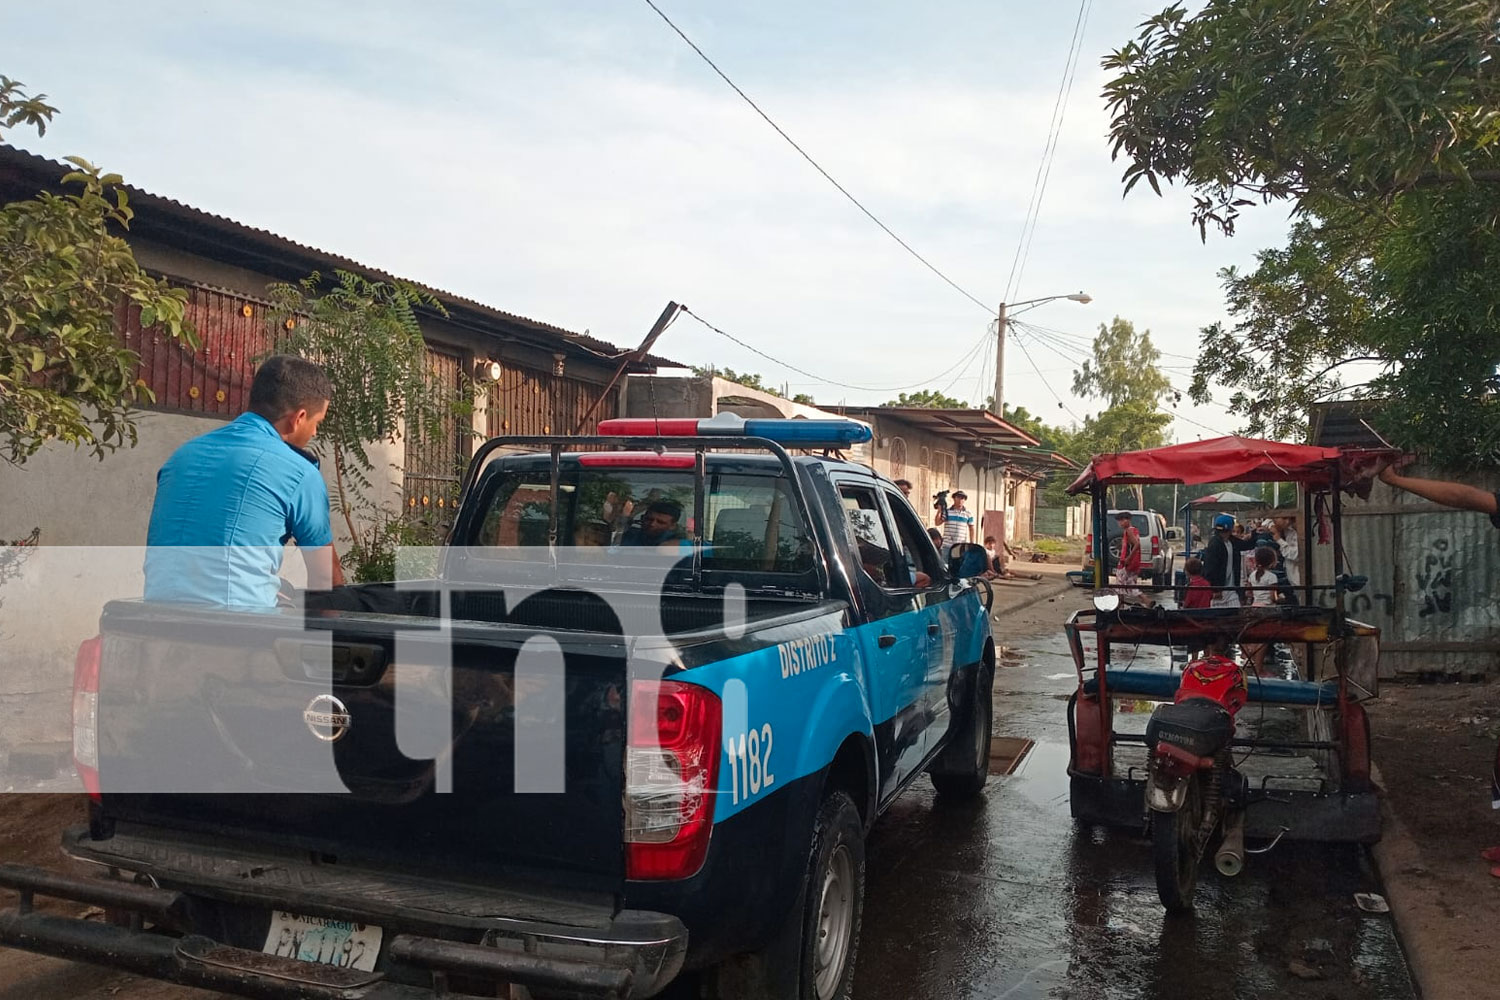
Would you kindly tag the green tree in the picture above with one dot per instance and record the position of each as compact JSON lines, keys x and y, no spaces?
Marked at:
{"x":927,"y":398}
{"x":64,"y":373}
{"x":1412,"y":294}
{"x":1319,"y":103}
{"x":365,"y":336}
{"x":1378,"y":122}
{"x":1123,"y":372}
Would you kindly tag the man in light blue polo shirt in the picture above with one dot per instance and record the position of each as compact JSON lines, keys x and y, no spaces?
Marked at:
{"x":228,"y":501}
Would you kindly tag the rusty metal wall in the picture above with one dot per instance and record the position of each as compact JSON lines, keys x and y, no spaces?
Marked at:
{"x":1434,"y":574}
{"x":435,"y":462}
{"x":528,"y":401}
{"x":215,"y":379}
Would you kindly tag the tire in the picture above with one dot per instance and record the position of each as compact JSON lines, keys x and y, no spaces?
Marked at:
{"x":966,"y":763}
{"x":834,"y":910}
{"x":1177,"y":849}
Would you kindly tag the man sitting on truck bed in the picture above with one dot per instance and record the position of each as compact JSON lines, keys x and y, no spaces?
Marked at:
{"x":229,"y":500}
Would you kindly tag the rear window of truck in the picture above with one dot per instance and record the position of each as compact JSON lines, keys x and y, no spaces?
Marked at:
{"x":751,"y":523}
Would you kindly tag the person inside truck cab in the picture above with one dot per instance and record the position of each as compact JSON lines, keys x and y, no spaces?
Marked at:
{"x":659,"y":524}
{"x":228,"y":501}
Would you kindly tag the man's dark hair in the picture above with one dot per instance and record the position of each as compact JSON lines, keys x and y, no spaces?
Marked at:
{"x":285,"y":384}
{"x":671,"y":508}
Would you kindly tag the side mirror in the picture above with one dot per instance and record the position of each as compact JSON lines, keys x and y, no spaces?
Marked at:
{"x":1106,"y":600}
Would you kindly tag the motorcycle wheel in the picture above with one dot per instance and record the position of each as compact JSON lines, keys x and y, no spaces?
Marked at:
{"x":1177,"y":843}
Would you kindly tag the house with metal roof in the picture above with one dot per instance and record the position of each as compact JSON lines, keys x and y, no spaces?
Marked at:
{"x":995,"y":462}
{"x":538,"y":378}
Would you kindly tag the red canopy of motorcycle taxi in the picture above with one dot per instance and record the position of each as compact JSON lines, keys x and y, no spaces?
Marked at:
{"x":1233,"y":460}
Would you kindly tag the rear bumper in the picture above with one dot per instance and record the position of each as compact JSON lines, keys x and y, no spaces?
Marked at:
{"x":624,"y":955}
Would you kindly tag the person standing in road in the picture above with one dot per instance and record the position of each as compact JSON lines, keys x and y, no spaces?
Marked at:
{"x":228,"y":501}
{"x":1287,"y":540}
{"x":958,"y":522}
{"x":1221,"y":561}
{"x":1128,"y":568}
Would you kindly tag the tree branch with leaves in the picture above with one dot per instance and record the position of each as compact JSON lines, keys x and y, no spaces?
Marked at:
{"x":366,"y":336}
{"x":65,"y":374}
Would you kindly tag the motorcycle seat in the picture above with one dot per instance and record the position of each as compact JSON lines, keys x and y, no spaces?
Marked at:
{"x":1197,"y":725}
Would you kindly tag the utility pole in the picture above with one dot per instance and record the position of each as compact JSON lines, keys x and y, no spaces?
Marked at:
{"x":1000,"y":363}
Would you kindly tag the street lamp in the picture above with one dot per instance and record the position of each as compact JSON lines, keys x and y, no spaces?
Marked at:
{"x":1002,"y":321}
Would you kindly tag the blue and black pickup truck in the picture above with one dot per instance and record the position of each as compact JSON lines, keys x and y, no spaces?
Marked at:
{"x":631,"y":730}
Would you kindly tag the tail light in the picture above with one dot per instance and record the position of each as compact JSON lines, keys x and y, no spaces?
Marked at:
{"x":1155,"y":545}
{"x":86,"y":715}
{"x":671,"y":771}
{"x":1088,"y":545}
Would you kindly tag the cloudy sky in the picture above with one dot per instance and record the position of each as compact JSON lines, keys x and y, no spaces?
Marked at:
{"x":577,"y":163}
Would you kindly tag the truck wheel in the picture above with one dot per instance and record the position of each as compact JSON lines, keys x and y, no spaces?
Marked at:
{"x":966,"y":777}
{"x":834,"y":909}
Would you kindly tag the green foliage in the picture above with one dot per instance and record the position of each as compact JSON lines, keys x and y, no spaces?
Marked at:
{"x":1324,"y":104}
{"x":1380,"y":123}
{"x":1412,"y":292}
{"x":1123,"y":368}
{"x":751,"y":381}
{"x":928,"y":398}
{"x":1123,"y":373}
{"x":64,"y":373}
{"x":384,"y":530}
{"x":365,"y":336}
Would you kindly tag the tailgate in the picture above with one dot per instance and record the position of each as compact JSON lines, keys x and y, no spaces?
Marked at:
{"x":225,"y":723}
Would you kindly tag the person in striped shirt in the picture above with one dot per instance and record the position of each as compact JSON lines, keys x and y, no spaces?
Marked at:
{"x":957,"y":522}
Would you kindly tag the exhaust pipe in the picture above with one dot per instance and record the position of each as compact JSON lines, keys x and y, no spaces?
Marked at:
{"x":1230,"y":857}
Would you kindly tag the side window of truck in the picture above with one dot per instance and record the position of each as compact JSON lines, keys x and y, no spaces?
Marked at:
{"x":867,"y":531}
{"x":914,"y":539}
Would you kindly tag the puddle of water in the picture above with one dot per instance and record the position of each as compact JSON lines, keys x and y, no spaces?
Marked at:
{"x":1007,"y":753}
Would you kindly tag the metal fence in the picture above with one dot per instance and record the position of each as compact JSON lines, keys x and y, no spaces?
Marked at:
{"x":1434,"y":587}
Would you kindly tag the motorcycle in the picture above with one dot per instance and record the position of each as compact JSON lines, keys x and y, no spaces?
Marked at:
{"x":1194,"y":794}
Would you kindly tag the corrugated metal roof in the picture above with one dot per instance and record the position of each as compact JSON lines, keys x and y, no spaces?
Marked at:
{"x":974,"y":427}
{"x":22,"y":174}
{"x":1340,"y":424}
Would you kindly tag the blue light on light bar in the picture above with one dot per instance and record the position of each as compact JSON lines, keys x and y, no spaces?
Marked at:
{"x":807,"y":433}
{"x":823,"y":432}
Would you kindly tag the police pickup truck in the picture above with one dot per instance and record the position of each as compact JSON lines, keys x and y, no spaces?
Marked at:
{"x":631,"y":730}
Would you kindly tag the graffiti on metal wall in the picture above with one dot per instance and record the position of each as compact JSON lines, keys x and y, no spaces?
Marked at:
{"x":1434,"y":577}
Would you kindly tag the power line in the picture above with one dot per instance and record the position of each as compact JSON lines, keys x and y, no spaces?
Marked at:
{"x":819,"y":380}
{"x":1088,"y":341}
{"x":815,"y":165}
{"x":1022,"y":345}
{"x":1049,"y":152}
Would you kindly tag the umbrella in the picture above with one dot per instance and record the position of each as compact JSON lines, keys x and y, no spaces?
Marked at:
{"x":1228,"y":498}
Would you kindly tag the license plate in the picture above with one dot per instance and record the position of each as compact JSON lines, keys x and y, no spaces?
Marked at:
{"x":329,"y":942}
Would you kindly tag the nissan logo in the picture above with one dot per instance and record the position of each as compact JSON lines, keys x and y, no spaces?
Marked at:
{"x":327,"y":718}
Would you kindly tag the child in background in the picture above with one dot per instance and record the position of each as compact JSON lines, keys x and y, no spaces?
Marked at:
{"x":1262,"y":583}
{"x":1199,"y":591}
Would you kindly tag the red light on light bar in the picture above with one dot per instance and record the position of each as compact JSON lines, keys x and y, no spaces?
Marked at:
{"x":637,"y":460}
{"x":635,"y":427}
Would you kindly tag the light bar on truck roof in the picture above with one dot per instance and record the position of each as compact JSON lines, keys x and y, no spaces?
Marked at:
{"x":796,"y":431}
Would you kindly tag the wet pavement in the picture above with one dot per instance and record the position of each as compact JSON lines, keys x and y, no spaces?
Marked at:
{"x":1008,"y":899}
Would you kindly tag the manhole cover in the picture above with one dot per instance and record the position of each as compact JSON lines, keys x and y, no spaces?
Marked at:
{"x":1007,"y":752}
